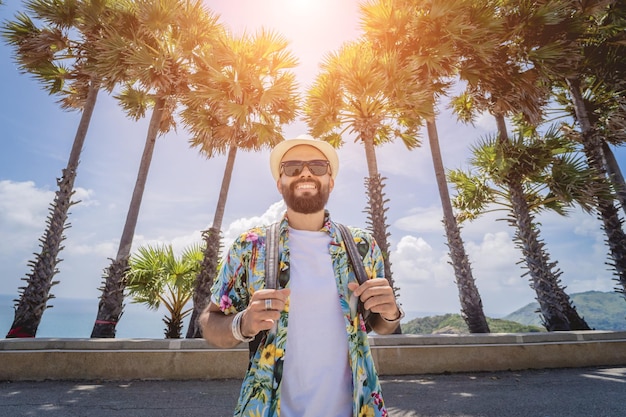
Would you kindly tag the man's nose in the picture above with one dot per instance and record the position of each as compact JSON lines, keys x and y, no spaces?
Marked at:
{"x":308,"y":172}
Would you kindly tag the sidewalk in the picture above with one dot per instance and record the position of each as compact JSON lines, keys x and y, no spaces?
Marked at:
{"x":588,"y":392}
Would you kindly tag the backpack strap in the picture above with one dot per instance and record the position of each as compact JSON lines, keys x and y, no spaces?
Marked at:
{"x":271,"y":274}
{"x":357,"y":264}
{"x":271,"y":256}
{"x":353,"y":254}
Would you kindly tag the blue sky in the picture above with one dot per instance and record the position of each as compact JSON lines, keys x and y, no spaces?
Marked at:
{"x":182,"y":188}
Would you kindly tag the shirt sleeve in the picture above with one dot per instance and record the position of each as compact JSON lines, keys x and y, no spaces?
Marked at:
{"x":231,"y":289}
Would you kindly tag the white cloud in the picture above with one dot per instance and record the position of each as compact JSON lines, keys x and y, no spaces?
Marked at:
{"x":23,"y":212}
{"x":24,"y":208}
{"x":498,"y":274}
{"x":105,"y":249}
{"x":22,"y":204}
{"x":415,"y":262}
{"x":495,"y":251}
{"x":273,"y":214}
{"x":425,"y":278}
{"x":427,"y":281}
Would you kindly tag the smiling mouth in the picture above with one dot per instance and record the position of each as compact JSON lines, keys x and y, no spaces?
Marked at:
{"x":306,"y":186}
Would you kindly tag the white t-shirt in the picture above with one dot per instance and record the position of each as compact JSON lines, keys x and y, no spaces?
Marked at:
{"x":317,"y":379}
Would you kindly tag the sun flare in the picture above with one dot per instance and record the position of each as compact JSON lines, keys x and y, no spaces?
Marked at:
{"x":302,"y":8}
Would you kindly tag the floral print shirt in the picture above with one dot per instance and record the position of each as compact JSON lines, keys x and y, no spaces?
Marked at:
{"x":243,"y":273}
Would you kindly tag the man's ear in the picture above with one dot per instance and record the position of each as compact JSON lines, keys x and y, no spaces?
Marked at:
{"x":331,"y":184}
{"x":280,"y":191}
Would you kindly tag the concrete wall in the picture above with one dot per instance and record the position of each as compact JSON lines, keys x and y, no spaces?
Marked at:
{"x":123,"y":359}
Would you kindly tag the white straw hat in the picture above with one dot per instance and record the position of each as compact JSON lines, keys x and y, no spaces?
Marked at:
{"x":283,"y":147}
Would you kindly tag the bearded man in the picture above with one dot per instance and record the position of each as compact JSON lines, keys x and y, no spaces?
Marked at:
{"x":313,"y":359}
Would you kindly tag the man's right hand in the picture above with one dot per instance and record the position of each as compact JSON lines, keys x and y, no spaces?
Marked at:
{"x":263,"y":310}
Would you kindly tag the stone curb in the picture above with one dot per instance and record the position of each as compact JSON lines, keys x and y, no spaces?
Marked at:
{"x":124,"y":359}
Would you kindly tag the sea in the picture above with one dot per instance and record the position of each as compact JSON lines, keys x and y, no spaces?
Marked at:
{"x":74,"y":318}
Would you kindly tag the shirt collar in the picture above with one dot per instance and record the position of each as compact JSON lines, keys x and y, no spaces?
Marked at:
{"x":328,"y":226}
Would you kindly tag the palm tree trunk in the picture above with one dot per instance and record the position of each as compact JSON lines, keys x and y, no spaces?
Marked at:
{"x":34,"y":296}
{"x":469,"y":297}
{"x":608,"y":213}
{"x":212,"y":237}
{"x":377,"y":220}
{"x":556,"y":306}
{"x":615,"y":174}
{"x":173,"y":322}
{"x":376,"y":204}
{"x":111,"y":301}
{"x":370,"y":153}
{"x":537,"y":262}
{"x":376,"y":210}
{"x":218,"y":217}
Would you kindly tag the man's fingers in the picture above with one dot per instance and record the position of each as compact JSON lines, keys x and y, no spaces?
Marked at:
{"x":376,"y":295}
{"x":354,"y":286}
{"x":281,"y":294}
{"x":270,"y":299}
{"x":264,"y":310}
{"x":253,"y":322}
{"x":380,"y":302}
{"x":269,"y":304}
{"x":369,"y":288}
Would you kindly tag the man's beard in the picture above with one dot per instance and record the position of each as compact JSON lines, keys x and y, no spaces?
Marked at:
{"x":308,"y":203}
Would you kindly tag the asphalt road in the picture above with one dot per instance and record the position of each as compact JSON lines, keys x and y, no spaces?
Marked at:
{"x":588,"y":392}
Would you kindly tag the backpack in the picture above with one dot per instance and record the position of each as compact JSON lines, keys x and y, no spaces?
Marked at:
{"x":271,"y":270}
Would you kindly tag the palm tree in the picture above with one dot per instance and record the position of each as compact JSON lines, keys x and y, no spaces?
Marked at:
{"x":59,"y":54}
{"x":426,"y":36}
{"x":241,"y":96}
{"x":557,"y":38}
{"x":605,"y":77}
{"x":156,"y":47}
{"x":513,"y":174}
{"x":156,"y":276}
{"x":349,"y":96}
{"x":607,"y":111}
{"x":524,"y":175}
{"x":507,"y":88}
{"x":608,"y":212}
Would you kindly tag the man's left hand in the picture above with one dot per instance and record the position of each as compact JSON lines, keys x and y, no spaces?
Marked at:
{"x":377,"y":296}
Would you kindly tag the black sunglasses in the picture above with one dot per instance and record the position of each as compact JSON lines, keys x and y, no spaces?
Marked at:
{"x":317,"y":167}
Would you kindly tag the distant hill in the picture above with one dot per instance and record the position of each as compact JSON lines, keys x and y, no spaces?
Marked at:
{"x":601,"y":310}
{"x":454,"y":324}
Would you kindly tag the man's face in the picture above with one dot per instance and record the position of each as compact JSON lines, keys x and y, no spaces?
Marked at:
{"x":305,"y":192}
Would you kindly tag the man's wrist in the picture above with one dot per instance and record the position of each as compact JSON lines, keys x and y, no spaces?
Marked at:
{"x":235,"y":328}
{"x":399,"y":317}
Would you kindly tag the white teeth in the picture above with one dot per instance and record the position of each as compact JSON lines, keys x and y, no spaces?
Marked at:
{"x":306,"y":186}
